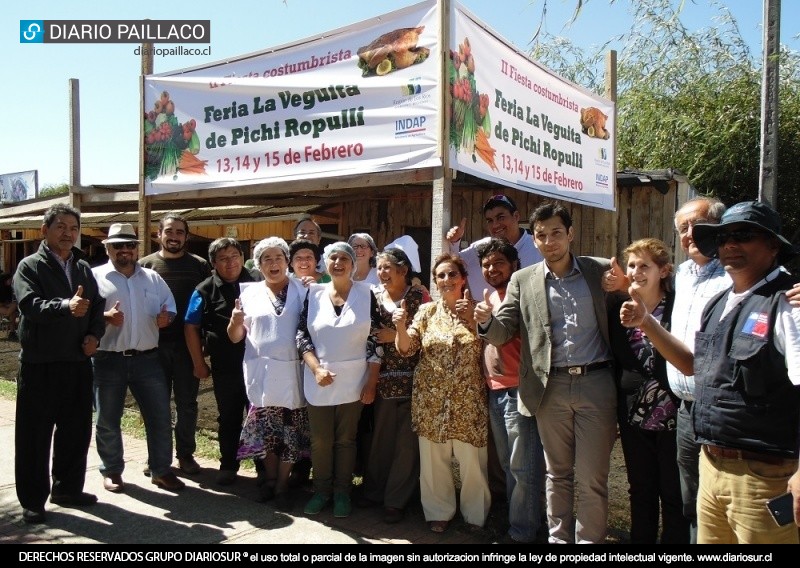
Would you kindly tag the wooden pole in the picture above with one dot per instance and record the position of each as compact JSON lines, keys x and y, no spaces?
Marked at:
{"x":145,"y":206}
{"x":75,"y":147}
{"x":442,"y":198}
{"x":770,"y":86}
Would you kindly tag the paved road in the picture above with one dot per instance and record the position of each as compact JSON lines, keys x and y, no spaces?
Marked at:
{"x":203,"y":513}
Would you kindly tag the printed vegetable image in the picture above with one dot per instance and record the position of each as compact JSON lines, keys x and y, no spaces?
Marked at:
{"x":394,"y":50}
{"x":170,"y":147}
{"x":470,"y":126}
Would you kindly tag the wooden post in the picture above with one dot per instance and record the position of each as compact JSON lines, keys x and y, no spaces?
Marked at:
{"x":75,"y":147}
{"x":770,"y":86}
{"x":145,"y":206}
{"x":606,"y":240}
{"x":442,"y":198}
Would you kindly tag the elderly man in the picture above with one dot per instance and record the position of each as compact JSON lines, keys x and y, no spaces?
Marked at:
{"x":209,"y":312}
{"x":746,"y":367}
{"x":60,"y":327}
{"x":138,"y":304}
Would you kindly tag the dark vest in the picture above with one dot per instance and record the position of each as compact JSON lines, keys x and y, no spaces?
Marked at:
{"x":743,"y":396}
{"x":219,"y":298}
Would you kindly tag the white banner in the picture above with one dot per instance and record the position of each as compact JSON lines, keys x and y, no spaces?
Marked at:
{"x":361,"y":99}
{"x":515,"y":123}
{"x":19,"y":186}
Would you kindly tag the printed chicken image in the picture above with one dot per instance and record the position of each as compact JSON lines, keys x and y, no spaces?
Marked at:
{"x":393,"y":50}
{"x":593,"y":123}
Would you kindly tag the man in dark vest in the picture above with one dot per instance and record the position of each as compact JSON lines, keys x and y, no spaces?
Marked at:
{"x":746,"y":365}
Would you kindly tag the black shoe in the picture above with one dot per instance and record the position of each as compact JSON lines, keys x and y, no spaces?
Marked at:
{"x":12,"y":336}
{"x":33,"y":517}
{"x":73,"y":500}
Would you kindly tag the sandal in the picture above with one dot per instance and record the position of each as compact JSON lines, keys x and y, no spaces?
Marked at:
{"x":438,"y":526}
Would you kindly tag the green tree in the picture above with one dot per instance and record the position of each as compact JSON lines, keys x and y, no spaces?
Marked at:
{"x":54,"y":189}
{"x":692,"y":101}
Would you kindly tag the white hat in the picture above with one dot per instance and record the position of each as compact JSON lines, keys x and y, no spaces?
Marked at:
{"x":409,"y":246}
{"x":121,"y":233}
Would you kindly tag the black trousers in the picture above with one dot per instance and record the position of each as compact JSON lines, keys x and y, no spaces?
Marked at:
{"x":54,"y":404}
{"x":232,"y":407}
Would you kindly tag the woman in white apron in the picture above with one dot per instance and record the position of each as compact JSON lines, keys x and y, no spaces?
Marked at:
{"x":342,"y":361}
{"x":266,"y":316}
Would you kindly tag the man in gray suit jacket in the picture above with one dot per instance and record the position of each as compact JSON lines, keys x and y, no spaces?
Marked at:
{"x":559,"y":309}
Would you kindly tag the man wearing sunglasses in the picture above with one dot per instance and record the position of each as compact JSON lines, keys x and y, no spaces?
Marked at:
{"x":746,"y":365}
{"x":138,"y":304}
{"x":502,"y":222}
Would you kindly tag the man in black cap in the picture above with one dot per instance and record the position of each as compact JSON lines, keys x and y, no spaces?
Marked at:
{"x":746,"y":365}
{"x":502,"y":222}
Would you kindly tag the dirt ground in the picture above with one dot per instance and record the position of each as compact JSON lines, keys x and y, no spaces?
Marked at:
{"x":207,"y":420}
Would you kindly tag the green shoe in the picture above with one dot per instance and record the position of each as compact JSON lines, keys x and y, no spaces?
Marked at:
{"x":316,"y":504}
{"x":341,"y":505}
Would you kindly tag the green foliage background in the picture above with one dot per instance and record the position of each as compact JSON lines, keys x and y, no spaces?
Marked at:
{"x":692,"y":101}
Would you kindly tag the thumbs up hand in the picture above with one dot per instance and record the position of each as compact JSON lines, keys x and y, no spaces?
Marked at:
{"x":465,"y":307}
{"x":115,"y":316}
{"x":614,"y":279}
{"x":399,"y":315}
{"x":164,"y":318}
{"x":484,"y":309}
{"x":237,"y":315}
{"x":78,"y":306}
{"x":633,"y":312}
{"x":454,"y":234}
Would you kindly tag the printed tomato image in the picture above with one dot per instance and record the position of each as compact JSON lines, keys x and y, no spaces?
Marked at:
{"x":470,"y":126}
{"x":170,"y":147}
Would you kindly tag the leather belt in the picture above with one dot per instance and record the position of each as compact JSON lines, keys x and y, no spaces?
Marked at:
{"x":135,"y":352}
{"x":580,"y":370}
{"x":734,"y":454}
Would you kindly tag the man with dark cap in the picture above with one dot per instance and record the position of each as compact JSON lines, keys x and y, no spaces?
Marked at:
{"x":746,"y":365}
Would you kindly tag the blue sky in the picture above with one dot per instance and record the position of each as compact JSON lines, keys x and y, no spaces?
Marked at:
{"x":36,"y":131}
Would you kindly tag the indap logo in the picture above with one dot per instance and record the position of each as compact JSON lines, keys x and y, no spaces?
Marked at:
{"x":601,"y":180}
{"x":409,"y":126}
{"x":31,"y":31}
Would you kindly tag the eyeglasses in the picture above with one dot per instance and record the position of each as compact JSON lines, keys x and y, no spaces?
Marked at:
{"x":119,"y":246}
{"x":356,"y":247}
{"x":452,"y":274}
{"x":683,"y":229}
{"x":303,"y":232}
{"x":738,"y":236}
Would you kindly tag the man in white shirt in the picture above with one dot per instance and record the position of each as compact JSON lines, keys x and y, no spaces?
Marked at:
{"x":138,"y":304}
{"x":502,"y":222}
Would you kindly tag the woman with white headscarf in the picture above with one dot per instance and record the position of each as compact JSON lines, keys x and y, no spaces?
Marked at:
{"x":342,"y":361}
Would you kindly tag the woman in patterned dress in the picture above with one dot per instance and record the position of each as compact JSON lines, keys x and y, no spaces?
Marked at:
{"x":266,"y":316}
{"x":448,"y":407}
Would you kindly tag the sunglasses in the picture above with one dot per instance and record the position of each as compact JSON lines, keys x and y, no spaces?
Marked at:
{"x":452,"y":274}
{"x":738,"y":236}
{"x":120,"y":246}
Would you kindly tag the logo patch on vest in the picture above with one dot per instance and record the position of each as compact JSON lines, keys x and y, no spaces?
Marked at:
{"x":757,"y":324}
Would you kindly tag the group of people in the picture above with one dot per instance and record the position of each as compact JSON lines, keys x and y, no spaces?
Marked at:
{"x":523,"y":369}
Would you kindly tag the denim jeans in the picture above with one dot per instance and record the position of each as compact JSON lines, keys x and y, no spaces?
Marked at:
{"x":143,"y":374}
{"x":688,"y":466}
{"x":519,"y":450}
{"x":178,"y":368}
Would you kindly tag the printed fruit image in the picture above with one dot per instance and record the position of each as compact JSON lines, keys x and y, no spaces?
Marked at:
{"x":593,"y":123}
{"x":170,"y":147}
{"x":470,"y":125}
{"x":394,"y":50}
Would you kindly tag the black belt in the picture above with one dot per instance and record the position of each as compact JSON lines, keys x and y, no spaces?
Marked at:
{"x":133,"y":352}
{"x":734,"y":454}
{"x":580,"y":370}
